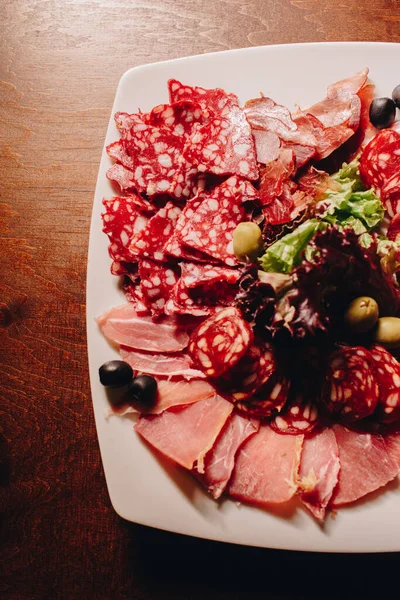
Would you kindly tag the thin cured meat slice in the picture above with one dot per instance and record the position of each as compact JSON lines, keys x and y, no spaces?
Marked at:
{"x":275,"y":175}
{"x":179,"y":117}
{"x":269,"y":400}
{"x":299,"y":417}
{"x":390,"y":195}
{"x":210,"y":230}
{"x":118,"y":152}
{"x":319,"y":471}
{"x":122,"y":221}
{"x":387,"y":374}
{"x":156,"y":283}
{"x":266,"y":468}
{"x":349,"y":86}
{"x":220,"y":342}
{"x":350,"y":389}
{"x":151,"y":240}
{"x":394,"y":228}
{"x":212,"y":100}
{"x":122,"y":176}
{"x":267,"y":145}
{"x":134,"y":294}
{"x":170,"y":394}
{"x":122,"y":325}
{"x":388,"y":160}
{"x":302,"y":154}
{"x":365,"y":465}
{"x":374,"y":157}
{"x":224,"y":145}
{"x":220,"y":461}
{"x":392,"y":442}
{"x":185,"y":435}
{"x":164,"y":365}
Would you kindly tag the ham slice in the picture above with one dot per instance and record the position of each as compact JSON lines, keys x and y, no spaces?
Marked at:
{"x":220,"y":461}
{"x":392,"y":442}
{"x":185,"y":435}
{"x":165,"y":365}
{"x":124,"y":326}
{"x":319,"y":471}
{"x":266,"y":468}
{"x":366,"y":465}
{"x":169,"y":395}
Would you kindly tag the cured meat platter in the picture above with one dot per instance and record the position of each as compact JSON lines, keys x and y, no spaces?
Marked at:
{"x":223,"y":208}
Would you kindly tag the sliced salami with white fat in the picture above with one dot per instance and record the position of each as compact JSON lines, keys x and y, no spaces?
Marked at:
{"x":156,"y":283}
{"x":387,"y":374}
{"x":151,"y":240}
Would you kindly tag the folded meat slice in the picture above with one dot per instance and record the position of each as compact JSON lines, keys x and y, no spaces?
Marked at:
{"x":185,"y":435}
{"x":266,"y":468}
{"x":220,"y":461}
{"x":124,"y":326}
{"x":366,"y":465}
{"x":319,"y":471}
{"x":165,"y":365}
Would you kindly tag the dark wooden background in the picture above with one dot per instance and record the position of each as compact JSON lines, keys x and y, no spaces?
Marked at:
{"x":60,"y":63}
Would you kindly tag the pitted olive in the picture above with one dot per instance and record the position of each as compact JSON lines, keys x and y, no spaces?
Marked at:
{"x":362,"y":314}
{"x":387,"y":332}
{"x":247,"y":241}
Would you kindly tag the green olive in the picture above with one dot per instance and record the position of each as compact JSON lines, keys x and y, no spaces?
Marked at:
{"x":362,"y":314}
{"x":387,"y":332}
{"x":247,"y":241}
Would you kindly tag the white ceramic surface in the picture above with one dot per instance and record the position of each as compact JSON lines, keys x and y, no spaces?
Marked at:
{"x":143,"y":488}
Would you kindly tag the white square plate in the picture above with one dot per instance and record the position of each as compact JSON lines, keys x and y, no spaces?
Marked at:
{"x":143,"y":488}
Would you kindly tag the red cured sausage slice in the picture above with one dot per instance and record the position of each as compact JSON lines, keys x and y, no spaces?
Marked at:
{"x":180,"y":117}
{"x":220,"y":342}
{"x":270,"y":398}
{"x":156,"y":283}
{"x":375,"y":153}
{"x":301,"y":416}
{"x":350,"y":389}
{"x":210,"y":230}
{"x":224,"y":145}
{"x":249,"y":374}
{"x":390,"y":194}
{"x":210,"y":100}
{"x":387,"y":374}
{"x":151,"y":240}
{"x":394,"y":228}
{"x":122,"y":222}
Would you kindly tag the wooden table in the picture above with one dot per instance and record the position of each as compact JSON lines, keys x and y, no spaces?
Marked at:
{"x":61,"y":62}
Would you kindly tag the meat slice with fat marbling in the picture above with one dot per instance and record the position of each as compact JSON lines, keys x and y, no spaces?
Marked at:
{"x":319,"y":471}
{"x":185,"y":435}
{"x":124,"y":326}
{"x":266,"y":468}
{"x":366,"y":465}
{"x":164,"y":365}
{"x":220,"y":461}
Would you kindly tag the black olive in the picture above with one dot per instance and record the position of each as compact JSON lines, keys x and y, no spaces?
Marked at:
{"x":115,"y":373}
{"x":396,"y":95}
{"x":143,"y":389}
{"x":382,"y":112}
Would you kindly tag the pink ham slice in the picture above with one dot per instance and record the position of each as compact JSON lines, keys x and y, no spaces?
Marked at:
{"x":124,"y":326}
{"x":169,"y":395}
{"x":319,"y":471}
{"x":266,"y":468}
{"x":220,"y":461}
{"x":392,"y":442}
{"x":165,"y":365}
{"x":366,"y":465}
{"x":185,"y":435}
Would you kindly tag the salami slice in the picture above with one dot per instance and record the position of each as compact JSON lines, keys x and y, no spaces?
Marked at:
{"x":210,"y":230}
{"x":123,"y":177}
{"x":210,"y":100}
{"x":350,"y":390}
{"x":387,"y":374}
{"x":156,"y":283}
{"x":394,"y":228}
{"x":179,"y":117}
{"x":150,"y":241}
{"x":374,"y":158}
{"x":122,"y":222}
{"x":224,"y":145}
{"x":390,"y":194}
{"x":220,"y":342}
{"x":299,"y":417}
{"x":388,"y":159}
{"x":134,"y":295}
{"x":118,"y":152}
{"x":275,"y":175}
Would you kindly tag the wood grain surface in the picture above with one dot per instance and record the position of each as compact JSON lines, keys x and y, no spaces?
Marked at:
{"x":60,"y":64}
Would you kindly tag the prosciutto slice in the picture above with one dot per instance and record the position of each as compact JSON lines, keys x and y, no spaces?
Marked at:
{"x":319,"y":471}
{"x":366,"y":465}
{"x":185,"y":435}
{"x":220,"y":461}
{"x":124,"y":326}
{"x":166,"y":365}
{"x":266,"y":468}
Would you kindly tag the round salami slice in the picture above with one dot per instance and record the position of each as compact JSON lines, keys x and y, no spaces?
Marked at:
{"x":220,"y":342}
{"x":350,"y":390}
{"x":299,"y":417}
{"x":374,"y":160}
{"x":122,"y":222}
{"x":387,"y":374}
{"x":390,"y":194}
{"x":270,"y":398}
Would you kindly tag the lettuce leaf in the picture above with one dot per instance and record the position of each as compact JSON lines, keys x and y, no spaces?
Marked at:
{"x":285,"y":254}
